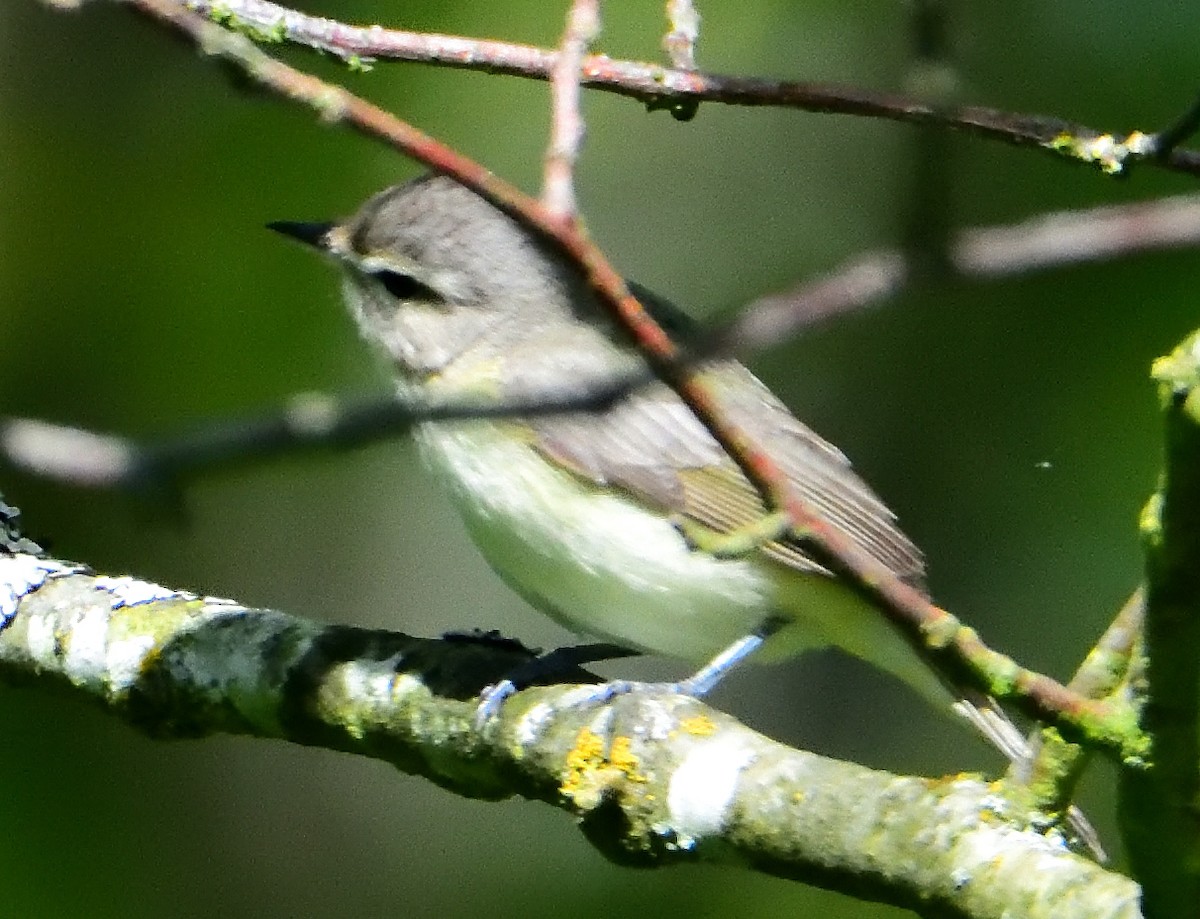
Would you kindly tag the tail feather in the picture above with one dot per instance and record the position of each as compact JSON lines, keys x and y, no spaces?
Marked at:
{"x":998,"y":729}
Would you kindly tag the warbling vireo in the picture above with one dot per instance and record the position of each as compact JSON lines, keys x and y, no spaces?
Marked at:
{"x":580,"y":512}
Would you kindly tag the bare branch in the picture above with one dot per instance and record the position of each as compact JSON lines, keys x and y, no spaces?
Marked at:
{"x":1041,"y":243}
{"x":1074,"y":237}
{"x":88,"y":459}
{"x":682,"y":90}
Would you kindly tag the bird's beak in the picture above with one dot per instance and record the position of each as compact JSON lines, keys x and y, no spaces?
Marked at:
{"x":312,"y":234}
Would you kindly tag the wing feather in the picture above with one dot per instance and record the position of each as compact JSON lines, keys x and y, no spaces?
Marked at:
{"x":651,"y":446}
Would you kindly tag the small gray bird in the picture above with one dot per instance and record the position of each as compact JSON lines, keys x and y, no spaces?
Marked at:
{"x":584,"y":513}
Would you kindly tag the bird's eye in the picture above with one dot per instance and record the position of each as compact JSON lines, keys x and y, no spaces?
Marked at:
{"x":405,"y":286}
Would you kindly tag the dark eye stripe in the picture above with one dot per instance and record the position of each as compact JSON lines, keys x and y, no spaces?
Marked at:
{"x":405,"y":286}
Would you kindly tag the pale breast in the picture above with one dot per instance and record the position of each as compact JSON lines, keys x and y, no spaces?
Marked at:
{"x":594,"y":560}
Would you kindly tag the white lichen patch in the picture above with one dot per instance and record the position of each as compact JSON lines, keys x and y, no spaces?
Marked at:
{"x":978,"y":853}
{"x":21,"y":575}
{"x":702,"y":789}
{"x":535,"y":718}
{"x":40,"y":640}
{"x":657,"y":722}
{"x":127,"y":591}
{"x":85,"y":658}
{"x":370,"y":689}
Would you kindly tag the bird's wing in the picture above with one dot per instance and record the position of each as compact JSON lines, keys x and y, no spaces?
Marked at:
{"x":653,"y":447}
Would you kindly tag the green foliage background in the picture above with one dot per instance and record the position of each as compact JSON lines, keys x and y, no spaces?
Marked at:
{"x":1011,"y":425}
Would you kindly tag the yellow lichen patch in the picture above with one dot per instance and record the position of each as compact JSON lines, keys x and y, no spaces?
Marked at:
{"x":698,"y":726}
{"x":623,"y":758}
{"x":940,"y":783}
{"x":590,"y":773}
{"x":587,"y":752}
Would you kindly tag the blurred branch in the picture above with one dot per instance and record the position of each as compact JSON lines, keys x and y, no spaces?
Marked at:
{"x":698,"y":785}
{"x":1043,"y":242}
{"x":932,"y":79}
{"x":88,"y":459}
{"x":681,"y":90}
{"x":1160,"y":804}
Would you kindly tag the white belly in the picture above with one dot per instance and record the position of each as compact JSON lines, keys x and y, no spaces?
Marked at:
{"x":597,"y":562}
{"x":606,"y":567}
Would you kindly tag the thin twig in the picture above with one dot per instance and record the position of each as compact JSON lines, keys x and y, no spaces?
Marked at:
{"x":566,"y":124}
{"x":1178,"y":131}
{"x":683,"y":22}
{"x":682,"y":90}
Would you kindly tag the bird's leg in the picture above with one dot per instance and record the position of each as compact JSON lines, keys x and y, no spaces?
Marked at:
{"x":708,"y":676}
{"x":557,"y":663}
{"x":704,"y":679}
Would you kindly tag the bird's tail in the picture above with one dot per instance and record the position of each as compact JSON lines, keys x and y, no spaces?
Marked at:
{"x":986,"y":716}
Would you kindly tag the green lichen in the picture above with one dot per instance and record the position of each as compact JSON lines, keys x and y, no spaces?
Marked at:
{"x":158,"y":620}
{"x":1103,"y":150}
{"x":270,"y":35}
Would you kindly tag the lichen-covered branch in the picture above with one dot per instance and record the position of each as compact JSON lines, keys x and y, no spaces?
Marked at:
{"x":655,"y":779}
{"x":1054,"y":767}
